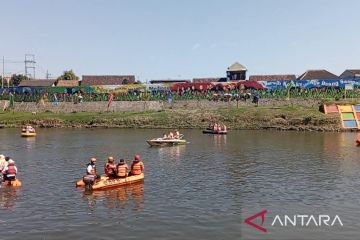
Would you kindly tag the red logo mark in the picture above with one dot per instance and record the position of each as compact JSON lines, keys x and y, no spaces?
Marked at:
{"x":249,"y":220}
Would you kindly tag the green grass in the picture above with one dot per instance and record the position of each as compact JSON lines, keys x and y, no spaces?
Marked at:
{"x":244,"y":117}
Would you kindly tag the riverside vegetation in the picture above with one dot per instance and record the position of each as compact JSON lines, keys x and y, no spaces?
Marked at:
{"x":281,"y":117}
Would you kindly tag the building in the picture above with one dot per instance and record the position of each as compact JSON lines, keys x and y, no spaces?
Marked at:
{"x":38,"y":83}
{"x":67,"y":83}
{"x":206,"y":80}
{"x":317,"y":74}
{"x":96,"y":80}
{"x":283,"y":77}
{"x":350,"y":73}
{"x":236,"y":72}
{"x":170,"y":81}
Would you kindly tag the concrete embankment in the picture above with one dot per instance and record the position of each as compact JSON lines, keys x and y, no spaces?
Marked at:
{"x":141,"y":106}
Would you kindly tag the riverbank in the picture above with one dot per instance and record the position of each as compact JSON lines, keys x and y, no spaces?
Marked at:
{"x":280,"y":117}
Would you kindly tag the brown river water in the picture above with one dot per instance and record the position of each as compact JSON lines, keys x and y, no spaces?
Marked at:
{"x":203,"y":190}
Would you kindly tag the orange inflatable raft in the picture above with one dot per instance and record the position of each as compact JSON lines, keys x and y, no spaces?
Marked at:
{"x":106,"y":182}
{"x":12,"y":183}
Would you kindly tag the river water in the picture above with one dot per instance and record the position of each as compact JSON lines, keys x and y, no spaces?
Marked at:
{"x":203,"y":190}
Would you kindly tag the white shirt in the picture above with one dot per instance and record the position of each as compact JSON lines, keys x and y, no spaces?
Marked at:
{"x":89,"y":169}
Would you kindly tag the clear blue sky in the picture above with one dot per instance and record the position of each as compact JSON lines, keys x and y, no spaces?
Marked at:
{"x":158,"y":39}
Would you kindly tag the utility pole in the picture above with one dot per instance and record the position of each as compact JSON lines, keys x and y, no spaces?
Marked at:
{"x":2,"y":79}
{"x":47,"y":74}
{"x":30,"y":64}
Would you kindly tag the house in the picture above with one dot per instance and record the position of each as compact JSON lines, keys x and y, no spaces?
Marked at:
{"x":236,"y":72}
{"x":350,"y":73}
{"x":206,"y":80}
{"x":170,"y":81}
{"x":95,"y":80}
{"x":38,"y":83}
{"x":317,"y":74}
{"x":283,"y":77}
{"x":67,"y":83}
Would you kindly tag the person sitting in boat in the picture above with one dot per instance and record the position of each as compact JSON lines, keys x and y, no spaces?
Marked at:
{"x":224,"y":128}
{"x":165,"y":136}
{"x":29,"y":129}
{"x":2,"y":162}
{"x":91,"y":168}
{"x":171,"y":135}
{"x":110,"y":167}
{"x":215,"y":128}
{"x":10,"y":171}
{"x":177,"y":134}
{"x":122,"y":169}
{"x":137,"y":166}
{"x":91,"y":175}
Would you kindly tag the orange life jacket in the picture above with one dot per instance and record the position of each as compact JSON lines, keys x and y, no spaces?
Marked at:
{"x":137,"y":168}
{"x":121,"y":170}
{"x":11,"y":169}
{"x":109,"y":168}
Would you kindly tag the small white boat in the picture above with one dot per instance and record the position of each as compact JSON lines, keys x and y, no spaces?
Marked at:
{"x":160,"y":142}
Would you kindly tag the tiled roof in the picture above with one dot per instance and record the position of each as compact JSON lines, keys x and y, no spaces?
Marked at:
{"x":236,"y":67}
{"x":288,"y":77}
{"x":204,"y":80}
{"x":93,"y":80}
{"x":170,"y":81}
{"x":317,"y":74}
{"x":37,"y":83}
{"x":350,"y":73}
{"x":67,"y":83}
{"x":355,"y":71}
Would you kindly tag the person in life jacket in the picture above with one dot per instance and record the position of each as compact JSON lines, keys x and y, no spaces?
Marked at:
{"x":137,"y":166}
{"x":91,"y":174}
{"x":2,"y":162}
{"x":122,"y":169}
{"x":110,"y":167}
{"x":10,"y":171}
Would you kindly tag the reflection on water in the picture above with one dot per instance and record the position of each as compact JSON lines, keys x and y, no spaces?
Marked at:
{"x":8,"y":196}
{"x":120,"y":197}
{"x":30,"y":143}
{"x":173,"y":152}
{"x":219,"y":140}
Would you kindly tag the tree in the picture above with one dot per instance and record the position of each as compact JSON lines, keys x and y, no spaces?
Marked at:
{"x":17,"y":78}
{"x":68,"y":75}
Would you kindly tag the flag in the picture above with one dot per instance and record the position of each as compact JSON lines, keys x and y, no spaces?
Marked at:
{"x":111,"y":96}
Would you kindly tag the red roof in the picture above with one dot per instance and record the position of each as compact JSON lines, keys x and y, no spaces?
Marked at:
{"x":288,"y":77}
{"x":196,"y":86}
{"x":253,"y":84}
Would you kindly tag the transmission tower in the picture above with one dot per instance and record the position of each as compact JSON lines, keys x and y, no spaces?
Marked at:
{"x":30,"y":65}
